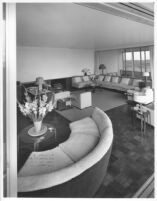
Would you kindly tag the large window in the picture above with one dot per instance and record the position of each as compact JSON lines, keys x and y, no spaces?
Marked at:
{"x":136,"y":61}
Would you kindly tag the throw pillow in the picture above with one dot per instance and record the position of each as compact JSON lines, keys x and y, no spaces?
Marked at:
{"x":125,"y":81}
{"x":85,"y":78}
{"x":77,"y":79}
{"x":115,"y":79}
{"x":78,"y":146}
{"x":100,"y":78}
{"x":107,"y":78}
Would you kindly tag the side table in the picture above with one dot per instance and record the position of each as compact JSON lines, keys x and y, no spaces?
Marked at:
{"x":28,"y":144}
{"x":150,"y":109}
{"x":143,"y":116}
{"x":144,"y":119}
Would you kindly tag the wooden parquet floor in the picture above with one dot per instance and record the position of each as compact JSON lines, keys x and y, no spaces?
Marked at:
{"x":132,"y":157}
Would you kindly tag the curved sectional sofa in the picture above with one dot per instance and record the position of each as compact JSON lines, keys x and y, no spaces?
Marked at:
{"x":75,"y":168}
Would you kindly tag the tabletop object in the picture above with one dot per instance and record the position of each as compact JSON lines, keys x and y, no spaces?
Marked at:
{"x":35,"y":91}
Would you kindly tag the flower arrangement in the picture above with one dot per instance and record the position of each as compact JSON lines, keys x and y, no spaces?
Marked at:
{"x":86,"y":71}
{"x":37,"y":108}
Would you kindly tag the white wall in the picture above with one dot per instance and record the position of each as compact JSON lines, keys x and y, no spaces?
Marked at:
{"x":112,"y":59}
{"x":52,"y":63}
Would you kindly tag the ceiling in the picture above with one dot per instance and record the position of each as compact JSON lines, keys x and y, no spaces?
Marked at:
{"x":68,"y":25}
{"x":149,"y":6}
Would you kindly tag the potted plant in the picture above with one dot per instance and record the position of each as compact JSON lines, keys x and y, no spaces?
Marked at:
{"x":102,"y":67}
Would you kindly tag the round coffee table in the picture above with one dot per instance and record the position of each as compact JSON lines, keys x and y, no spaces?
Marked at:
{"x":33,"y":142}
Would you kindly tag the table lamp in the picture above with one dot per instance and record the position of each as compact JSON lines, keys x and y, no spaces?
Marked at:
{"x":145,"y":74}
{"x":102,"y":67}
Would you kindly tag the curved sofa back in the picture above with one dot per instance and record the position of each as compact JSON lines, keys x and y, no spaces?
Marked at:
{"x":81,"y":179}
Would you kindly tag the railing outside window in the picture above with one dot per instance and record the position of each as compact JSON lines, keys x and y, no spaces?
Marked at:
{"x":136,"y":61}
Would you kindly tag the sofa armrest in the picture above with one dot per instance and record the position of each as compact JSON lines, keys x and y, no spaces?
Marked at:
{"x":62,"y":95}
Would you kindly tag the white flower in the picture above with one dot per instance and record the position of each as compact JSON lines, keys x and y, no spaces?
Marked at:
{"x":36,"y":109}
{"x":49,"y":106}
{"x":45,"y":98}
{"x":85,"y":70}
{"x":42,"y":111}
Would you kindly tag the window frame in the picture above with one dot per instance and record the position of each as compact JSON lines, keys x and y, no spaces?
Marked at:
{"x":143,"y":68}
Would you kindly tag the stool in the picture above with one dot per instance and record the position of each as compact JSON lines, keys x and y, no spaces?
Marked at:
{"x":61,"y":104}
{"x":82,"y":100}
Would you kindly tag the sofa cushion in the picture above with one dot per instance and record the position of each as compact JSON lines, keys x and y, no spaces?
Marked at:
{"x":115,"y":79}
{"x":77,"y":79}
{"x":88,"y":82}
{"x":100,"y":78}
{"x":84,"y":126}
{"x":92,"y":77}
{"x":123,"y":87}
{"x":125,"y":80}
{"x":78,"y":146}
{"x":79,"y":84}
{"x":101,"y":119}
{"x":45,"y":162}
{"x":85,"y":78}
{"x":107,"y":78}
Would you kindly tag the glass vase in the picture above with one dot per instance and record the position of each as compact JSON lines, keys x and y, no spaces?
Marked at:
{"x":37,"y":125}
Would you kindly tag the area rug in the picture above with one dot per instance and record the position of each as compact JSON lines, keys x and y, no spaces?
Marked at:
{"x":104,"y":99}
{"x":132,"y":157}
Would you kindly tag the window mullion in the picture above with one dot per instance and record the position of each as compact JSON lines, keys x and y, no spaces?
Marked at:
{"x":133,"y":73}
{"x":125,"y":62}
{"x":145,"y":60}
{"x":141,"y":61}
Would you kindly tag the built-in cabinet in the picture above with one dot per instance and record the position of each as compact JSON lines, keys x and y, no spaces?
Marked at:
{"x":66,"y":83}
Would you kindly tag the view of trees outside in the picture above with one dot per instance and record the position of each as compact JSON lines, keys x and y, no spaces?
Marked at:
{"x":137,"y":61}
{"x":128,"y":56}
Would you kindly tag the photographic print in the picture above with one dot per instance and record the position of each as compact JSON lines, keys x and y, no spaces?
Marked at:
{"x":78,"y":99}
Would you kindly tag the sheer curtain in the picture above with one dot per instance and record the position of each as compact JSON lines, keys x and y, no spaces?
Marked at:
{"x":97,"y":62}
{"x":151,"y":48}
{"x":11,"y":104}
{"x":112,"y":59}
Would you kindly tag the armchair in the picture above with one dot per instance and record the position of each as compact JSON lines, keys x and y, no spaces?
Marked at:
{"x":144,"y":97}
